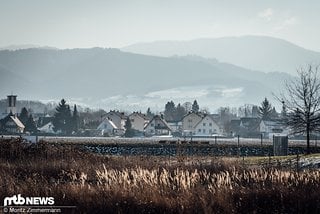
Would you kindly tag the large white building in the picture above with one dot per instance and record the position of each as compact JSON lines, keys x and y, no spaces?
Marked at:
{"x":189,"y":122}
{"x":138,"y":121}
{"x":208,"y":127}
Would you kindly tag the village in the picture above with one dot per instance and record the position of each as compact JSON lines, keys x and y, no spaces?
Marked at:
{"x":261,"y":122}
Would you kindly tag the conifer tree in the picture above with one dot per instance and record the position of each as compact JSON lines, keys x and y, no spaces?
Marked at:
{"x":24,"y":115}
{"x":265,"y":110}
{"x":149,"y":113}
{"x":75,"y":119}
{"x":128,"y":126}
{"x":62,"y":118}
{"x":195,"y":106}
{"x":30,"y":125}
{"x":169,"y":111}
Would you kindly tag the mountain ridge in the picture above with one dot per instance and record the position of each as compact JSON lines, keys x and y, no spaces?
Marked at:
{"x":111,"y":77}
{"x":253,"y":52}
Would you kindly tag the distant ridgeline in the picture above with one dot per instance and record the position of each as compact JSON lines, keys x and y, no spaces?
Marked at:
{"x":36,"y":106}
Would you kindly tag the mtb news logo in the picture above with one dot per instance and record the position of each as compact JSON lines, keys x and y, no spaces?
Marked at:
{"x":33,"y":201}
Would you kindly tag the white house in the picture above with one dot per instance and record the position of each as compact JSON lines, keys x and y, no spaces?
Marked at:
{"x":175,"y":126}
{"x":208,"y":127}
{"x":47,"y":128}
{"x":157,"y":126}
{"x":269,"y":128}
{"x":107,"y":127}
{"x":118,"y":119}
{"x":138,"y":121}
{"x":189,"y":122}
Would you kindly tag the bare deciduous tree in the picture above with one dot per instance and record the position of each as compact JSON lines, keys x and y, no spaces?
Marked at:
{"x":302,"y":101}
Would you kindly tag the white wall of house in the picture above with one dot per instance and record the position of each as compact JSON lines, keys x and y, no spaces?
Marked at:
{"x":190,"y":121}
{"x":207,"y":127}
{"x":153,"y":128}
{"x":264,"y":128}
{"x":107,"y":127}
{"x":138,"y":122}
{"x":116,"y":119}
{"x":47,"y":128}
{"x":175,"y":126}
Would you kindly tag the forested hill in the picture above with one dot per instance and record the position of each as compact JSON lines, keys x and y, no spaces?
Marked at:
{"x":99,"y":74}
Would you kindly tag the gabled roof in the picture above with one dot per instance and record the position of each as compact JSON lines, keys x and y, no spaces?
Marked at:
{"x":200,"y":114}
{"x":14,"y":118}
{"x":250,"y":123}
{"x":162,"y":121}
{"x":17,"y":121}
{"x":117,"y":113}
{"x":209,"y":116}
{"x":44,"y":120}
{"x":46,"y":127}
{"x":272,"y":123}
{"x":140,"y":115}
{"x":109,"y":122}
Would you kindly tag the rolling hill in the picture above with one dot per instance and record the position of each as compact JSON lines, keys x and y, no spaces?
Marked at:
{"x":110,"y":78}
{"x":261,"y":53}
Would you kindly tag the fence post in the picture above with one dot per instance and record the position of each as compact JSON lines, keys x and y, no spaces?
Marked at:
{"x":261,"y":139}
{"x":215,"y":139}
{"x":298,"y":162}
{"x":238,"y":145}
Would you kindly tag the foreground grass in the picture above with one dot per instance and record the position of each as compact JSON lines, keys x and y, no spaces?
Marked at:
{"x":113,"y":184}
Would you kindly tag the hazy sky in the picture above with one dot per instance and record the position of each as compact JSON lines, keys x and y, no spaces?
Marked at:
{"x":116,"y":23}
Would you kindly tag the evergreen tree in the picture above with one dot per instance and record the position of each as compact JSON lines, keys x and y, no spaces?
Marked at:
{"x":24,"y":115}
{"x":265,"y":110}
{"x":75,"y":119}
{"x":149,"y":113}
{"x":283,"y":111}
{"x":195,"y":106}
{"x":128,"y":126}
{"x":255,"y":111}
{"x":169,"y":111}
{"x":187,"y":106}
{"x":180,"y":112}
{"x":30,"y":125}
{"x":62,"y":118}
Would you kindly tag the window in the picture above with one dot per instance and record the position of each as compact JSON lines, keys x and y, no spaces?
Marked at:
{"x":190,"y":120}
{"x":152,"y":125}
{"x":204,"y":124}
{"x":132,"y":120}
{"x":210,"y":124}
{"x":199,"y":130}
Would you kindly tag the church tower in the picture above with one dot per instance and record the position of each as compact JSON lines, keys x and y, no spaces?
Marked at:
{"x":12,"y":99}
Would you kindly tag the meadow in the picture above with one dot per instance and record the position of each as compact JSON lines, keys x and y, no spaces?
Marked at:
{"x":95,"y":183}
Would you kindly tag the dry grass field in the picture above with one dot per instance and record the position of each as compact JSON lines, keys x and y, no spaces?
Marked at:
{"x":148,"y":184}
